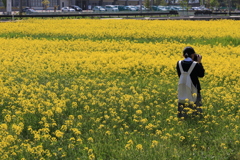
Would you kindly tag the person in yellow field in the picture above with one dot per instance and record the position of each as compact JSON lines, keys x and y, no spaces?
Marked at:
{"x":198,"y":71}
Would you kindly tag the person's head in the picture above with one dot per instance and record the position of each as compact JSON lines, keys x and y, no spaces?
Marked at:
{"x":188,"y":52}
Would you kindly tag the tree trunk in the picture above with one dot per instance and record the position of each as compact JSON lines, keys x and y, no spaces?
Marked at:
{"x":20,"y":7}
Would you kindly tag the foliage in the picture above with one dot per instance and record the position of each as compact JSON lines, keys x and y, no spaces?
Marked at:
{"x":161,"y":2}
{"x":235,"y":4}
{"x":184,"y":3}
{"x":4,"y":3}
{"x":147,"y":3}
{"x":108,"y":89}
{"x":212,"y":4}
{"x":45,"y":3}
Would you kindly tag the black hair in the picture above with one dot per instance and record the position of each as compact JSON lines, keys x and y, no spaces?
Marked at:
{"x":188,"y":51}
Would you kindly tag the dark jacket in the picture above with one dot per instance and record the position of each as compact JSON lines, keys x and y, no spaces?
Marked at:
{"x":198,"y":71}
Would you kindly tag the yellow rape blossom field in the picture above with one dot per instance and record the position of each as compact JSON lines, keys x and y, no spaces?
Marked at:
{"x":107,"y":89}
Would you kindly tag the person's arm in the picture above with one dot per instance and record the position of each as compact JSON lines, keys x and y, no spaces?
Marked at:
{"x":201,"y":70}
{"x":178,"y":70}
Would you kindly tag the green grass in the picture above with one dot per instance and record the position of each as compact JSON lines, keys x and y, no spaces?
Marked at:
{"x":224,"y":41}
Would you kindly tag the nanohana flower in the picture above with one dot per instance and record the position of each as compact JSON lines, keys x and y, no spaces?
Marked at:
{"x":68,"y":85}
{"x":59,"y":134}
{"x":90,"y":139}
{"x":139,"y":147}
{"x":139,"y":112}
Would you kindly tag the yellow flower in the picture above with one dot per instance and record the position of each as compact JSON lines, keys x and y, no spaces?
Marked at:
{"x":139,"y":112}
{"x":130,"y":142}
{"x":90,"y":151}
{"x":59,"y":134}
{"x":64,"y":127}
{"x":106,"y":116}
{"x":108,"y":133}
{"x":18,"y":128}
{"x":79,"y":140}
{"x":8,"y":118}
{"x":74,"y":104}
{"x":127,"y":146}
{"x":91,"y":156}
{"x":76,"y":131}
{"x":54,"y":139}
{"x":37,"y":136}
{"x":158,"y":132}
{"x":90,"y":139}
{"x":139,"y":147}
{"x":3,"y":126}
{"x":61,"y":90}
{"x":91,"y":130}
{"x":58,"y":110}
{"x":182,"y":138}
{"x":71,"y":146}
{"x":87,"y":108}
{"x":9,"y":138}
{"x":71,"y":117}
{"x":154,"y":143}
{"x":144,"y":120}
{"x":80,"y":117}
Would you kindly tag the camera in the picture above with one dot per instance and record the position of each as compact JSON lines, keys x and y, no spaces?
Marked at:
{"x":196,"y":57}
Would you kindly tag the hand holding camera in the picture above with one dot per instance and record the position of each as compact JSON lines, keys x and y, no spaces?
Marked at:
{"x":198,"y":58}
